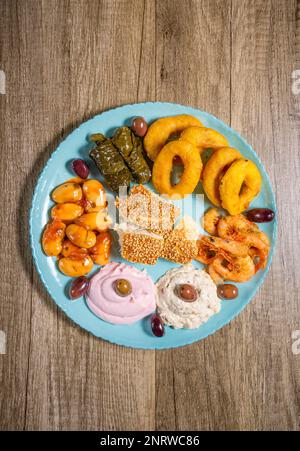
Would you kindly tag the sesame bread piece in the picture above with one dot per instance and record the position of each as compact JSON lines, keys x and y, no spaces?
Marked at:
{"x":139,"y":246}
{"x":180,"y":245}
{"x":147,"y":210}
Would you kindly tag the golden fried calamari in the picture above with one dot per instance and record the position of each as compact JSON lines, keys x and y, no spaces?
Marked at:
{"x":215,"y":169}
{"x":162,"y":129}
{"x":161,"y":175}
{"x":239,"y":185}
{"x":204,"y":138}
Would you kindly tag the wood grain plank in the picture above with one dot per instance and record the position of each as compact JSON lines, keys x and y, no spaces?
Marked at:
{"x":193,"y":68}
{"x":17,"y":173}
{"x":69,"y":61}
{"x":245,"y":376}
{"x":261,"y":106}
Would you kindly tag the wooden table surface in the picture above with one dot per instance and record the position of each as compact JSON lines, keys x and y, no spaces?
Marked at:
{"x":67,"y":60}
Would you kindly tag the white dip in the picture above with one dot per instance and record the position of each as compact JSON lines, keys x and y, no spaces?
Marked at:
{"x":176,"y":312}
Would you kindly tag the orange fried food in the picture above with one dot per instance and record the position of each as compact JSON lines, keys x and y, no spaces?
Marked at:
{"x":161,"y":130}
{"x":216,"y":277}
{"x":239,"y":269}
{"x":206,"y":253}
{"x":236,"y":227}
{"x":161,"y":174}
{"x":215,"y":169}
{"x":52,"y":237}
{"x":204,"y":138}
{"x":210,"y":221}
{"x":239,"y":185}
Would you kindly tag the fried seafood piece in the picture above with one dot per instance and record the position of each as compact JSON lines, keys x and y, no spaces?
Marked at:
{"x":131,"y":149}
{"x":216,"y":277}
{"x":147,"y":210}
{"x":239,"y":228}
{"x":110,"y":163}
{"x":161,"y":130}
{"x":234,"y":248}
{"x":163,"y":165}
{"x":235,"y":227}
{"x":205,"y":252}
{"x":259,"y":257}
{"x":204,"y":138}
{"x":215,"y":169}
{"x":210,"y":221}
{"x":239,"y":269}
{"x":139,"y":246}
{"x":239,"y":185}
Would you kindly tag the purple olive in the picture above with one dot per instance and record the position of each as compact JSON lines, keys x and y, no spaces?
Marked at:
{"x":227,"y":291}
{"x":139,"y":126}
{"x":157,"y":326}
{"x":187,"y":292}
{"x":81,"y":168}
{"x":260,"y":215}
{"x":79,"y":287}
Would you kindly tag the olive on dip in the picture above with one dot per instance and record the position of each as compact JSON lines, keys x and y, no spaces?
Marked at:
{"x":187,"y":292}
{"x":123,"y":287}
{"x":139,"y":126}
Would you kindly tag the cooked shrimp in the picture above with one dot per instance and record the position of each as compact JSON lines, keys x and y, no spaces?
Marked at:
{"x":208,"y":249}
{"x":240,"y":269}
{"x":264,"y":237}
{"x":259,"y":257}
{"x":235,"y":227}
{"x":205,"y":252}
{"x":210,"y":221}
{"x":255,"y":239}
{"x":214,"y":275}
{"x":240,"y":229}
{"x":234,"y":248}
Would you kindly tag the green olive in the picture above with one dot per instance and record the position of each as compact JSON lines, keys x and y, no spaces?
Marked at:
{"x":123,"y":287}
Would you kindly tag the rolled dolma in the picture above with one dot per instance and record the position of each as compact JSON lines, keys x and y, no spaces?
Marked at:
{"x":131,"y":149}
{"x":110,"y":163}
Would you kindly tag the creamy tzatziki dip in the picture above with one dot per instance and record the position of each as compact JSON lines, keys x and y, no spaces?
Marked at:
{"x":187,"y":297}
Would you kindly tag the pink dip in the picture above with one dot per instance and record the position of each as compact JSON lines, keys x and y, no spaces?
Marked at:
{"x":103,"y":300}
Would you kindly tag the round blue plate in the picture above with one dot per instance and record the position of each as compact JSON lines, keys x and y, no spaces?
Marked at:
{"x":57,"y":170}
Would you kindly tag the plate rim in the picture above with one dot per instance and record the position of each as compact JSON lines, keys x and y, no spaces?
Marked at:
{"x":124,"y":342}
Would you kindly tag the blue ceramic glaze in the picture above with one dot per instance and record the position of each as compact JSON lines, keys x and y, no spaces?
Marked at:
{"x":57,"y":170}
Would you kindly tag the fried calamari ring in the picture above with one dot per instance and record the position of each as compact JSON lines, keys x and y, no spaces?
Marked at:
{"x":162,"y":168}
{"x":215,"y":169}
{"x":161,"y":130}
{"x":239,"y":185}
{"x":204,"y":138}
